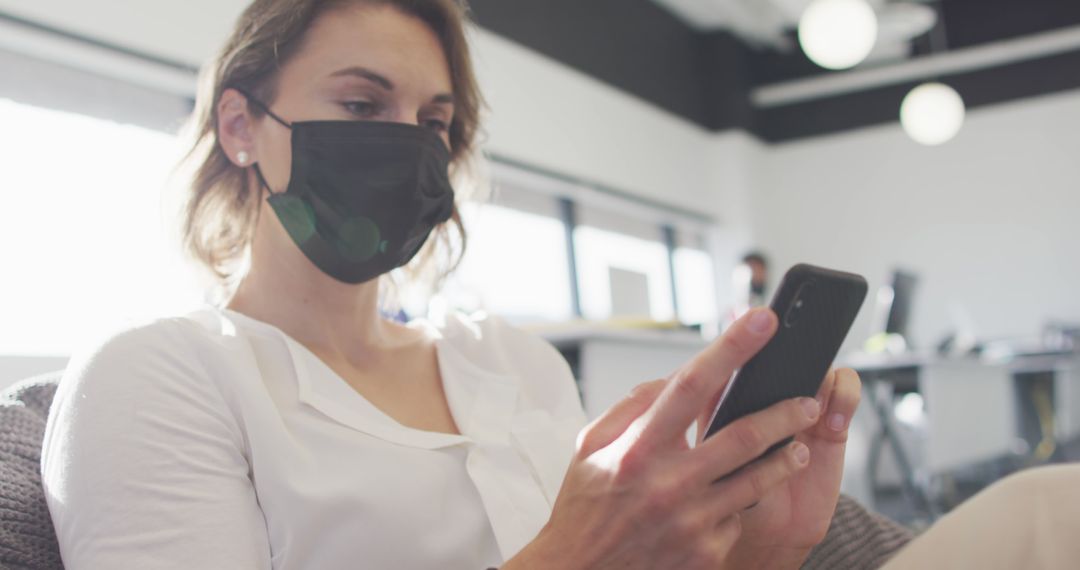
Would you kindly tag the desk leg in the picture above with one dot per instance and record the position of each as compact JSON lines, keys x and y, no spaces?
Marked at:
{"x":886,"y":433}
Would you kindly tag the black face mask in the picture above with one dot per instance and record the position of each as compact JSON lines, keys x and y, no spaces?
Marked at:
{"x":363,"y":196}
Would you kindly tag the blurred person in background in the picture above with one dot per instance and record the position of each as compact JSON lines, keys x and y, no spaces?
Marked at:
{"x":750,"y":283}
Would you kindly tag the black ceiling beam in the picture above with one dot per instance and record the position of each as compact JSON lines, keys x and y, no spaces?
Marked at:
{"x":707,"y":77}
{"x":969,"y":23}
{"x":882,"y":105}
{"x":633,"y":45}
{"x":725,"y":81}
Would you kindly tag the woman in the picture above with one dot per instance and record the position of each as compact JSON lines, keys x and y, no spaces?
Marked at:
{"x":295,"y":428}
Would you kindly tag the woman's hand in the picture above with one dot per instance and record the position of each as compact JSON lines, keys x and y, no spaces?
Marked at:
{"x":792,"y":518}
{"x":637,"y":496}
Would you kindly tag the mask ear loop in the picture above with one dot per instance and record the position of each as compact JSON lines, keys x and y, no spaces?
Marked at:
{"x":265,"y":109}
{"x":262,"y":179}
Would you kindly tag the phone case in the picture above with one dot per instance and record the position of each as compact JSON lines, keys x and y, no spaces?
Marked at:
{"x":816,"y":308}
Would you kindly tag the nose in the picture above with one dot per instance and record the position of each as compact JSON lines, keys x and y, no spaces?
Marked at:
{"x":406,"y":116}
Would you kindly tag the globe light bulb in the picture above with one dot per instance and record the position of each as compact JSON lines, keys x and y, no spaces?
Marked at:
{"x":932,"y":113}
{"x":838,"y":34}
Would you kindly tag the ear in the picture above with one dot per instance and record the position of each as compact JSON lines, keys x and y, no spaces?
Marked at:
{"x":235,"y":132}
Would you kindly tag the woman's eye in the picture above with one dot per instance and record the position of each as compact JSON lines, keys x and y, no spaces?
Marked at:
{"x":436,"y":125}
{"x":361,"y":109}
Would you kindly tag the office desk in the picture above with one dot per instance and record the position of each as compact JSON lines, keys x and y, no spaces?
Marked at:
{"x":609,"y":362}
{"x":901,"y":374}
{"x":971,"y":409}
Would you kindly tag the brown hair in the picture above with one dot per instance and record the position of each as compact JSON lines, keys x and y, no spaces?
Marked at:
{"x":221,"y":208}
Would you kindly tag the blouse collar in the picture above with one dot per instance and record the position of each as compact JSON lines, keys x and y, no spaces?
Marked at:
{"x":482,"y":401}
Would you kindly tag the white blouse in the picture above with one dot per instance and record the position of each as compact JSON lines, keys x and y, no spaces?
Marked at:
{"x":216,"y":441}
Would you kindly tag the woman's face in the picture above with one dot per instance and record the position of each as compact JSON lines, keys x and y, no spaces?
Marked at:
{"x":359,"y":63}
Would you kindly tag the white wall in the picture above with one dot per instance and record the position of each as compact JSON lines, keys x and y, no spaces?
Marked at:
{"x":989,"y":221}
{"x":735,"y":166}
{"x":189,"y":31}
{"x":548,"y":114}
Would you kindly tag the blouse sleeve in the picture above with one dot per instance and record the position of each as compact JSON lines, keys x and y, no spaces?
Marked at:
{"x":143,"y":464}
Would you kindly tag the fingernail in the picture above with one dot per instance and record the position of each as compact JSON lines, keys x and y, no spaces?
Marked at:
{"x":837,"y":422}
{"x":811,"y":407}
{"x":802,"y":453}
{"x":760,"y":322}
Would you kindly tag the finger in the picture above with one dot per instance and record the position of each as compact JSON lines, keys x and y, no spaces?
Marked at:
{"x":826,"y":389}
{"x":613,"y":422}
{"x":747,"y":487}
{"x":747,"y":438}
{"x":696,"y":385}
{"x":823,"y":395}
{"x":843,"y":401}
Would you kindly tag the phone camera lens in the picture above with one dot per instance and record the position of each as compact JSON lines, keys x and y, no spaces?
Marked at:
{"x":792,"y":317}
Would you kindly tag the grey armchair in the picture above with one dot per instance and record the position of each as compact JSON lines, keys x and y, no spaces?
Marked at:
{"x":27,"y":538}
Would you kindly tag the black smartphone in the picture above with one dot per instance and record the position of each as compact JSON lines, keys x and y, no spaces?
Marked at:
{"x":816,"y":307}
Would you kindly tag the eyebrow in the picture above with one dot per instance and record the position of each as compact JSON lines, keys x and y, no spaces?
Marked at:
{"x":382,"y":81}
{"x":443,"y":99}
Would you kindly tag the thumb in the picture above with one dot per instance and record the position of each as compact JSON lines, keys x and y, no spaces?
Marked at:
{"x":613,"y":422}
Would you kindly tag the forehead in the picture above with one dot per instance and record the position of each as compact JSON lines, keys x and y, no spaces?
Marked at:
{"x":381,"y":38}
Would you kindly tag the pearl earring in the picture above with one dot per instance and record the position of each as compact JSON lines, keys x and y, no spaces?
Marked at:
{"x":242,"y":158}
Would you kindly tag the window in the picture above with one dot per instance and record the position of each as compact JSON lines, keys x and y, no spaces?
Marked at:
{"x":515,"y":265}
{"x":624,"y":269}
{"x":611,"y":268}
{"x":695,"y":286}
{"x":83,"y":237}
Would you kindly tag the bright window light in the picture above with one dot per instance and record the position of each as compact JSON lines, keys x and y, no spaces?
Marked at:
{"x":696,"y":286}
{"x":83,"y":236}
{"x":598,"y":251}
{"x":515,"y":266}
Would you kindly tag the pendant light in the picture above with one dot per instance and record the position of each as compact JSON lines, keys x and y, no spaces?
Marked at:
{"x":838,"y":34}
{"x":933,"y":113}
